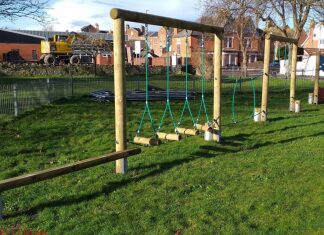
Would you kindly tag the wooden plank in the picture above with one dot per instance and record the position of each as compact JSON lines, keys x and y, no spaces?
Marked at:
{"x":279,"y":38}
{"x":65,"y":169}
{"x":144,"y":18}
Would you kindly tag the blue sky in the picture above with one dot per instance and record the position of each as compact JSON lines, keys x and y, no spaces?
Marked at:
{"x":73,"y":14}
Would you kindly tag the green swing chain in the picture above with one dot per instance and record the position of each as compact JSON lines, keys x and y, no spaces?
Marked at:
{"x":202,"y":103}
{"x":168,"y":106}
{"x":186,"y":104}
{"x":234,"y":120}
{"x":147,"y":107}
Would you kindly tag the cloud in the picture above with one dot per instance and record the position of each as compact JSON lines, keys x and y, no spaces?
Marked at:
{"x":71,"y":14}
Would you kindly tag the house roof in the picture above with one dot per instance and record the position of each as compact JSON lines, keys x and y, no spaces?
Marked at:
{"x":9,"y":36}
{"x":182,"y":33}
{"x":152,"y":34}
{"x":313,"y":51}
{"x":50,"y":34}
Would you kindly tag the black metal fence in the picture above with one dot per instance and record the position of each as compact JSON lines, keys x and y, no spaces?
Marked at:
{"x":19,"y":96}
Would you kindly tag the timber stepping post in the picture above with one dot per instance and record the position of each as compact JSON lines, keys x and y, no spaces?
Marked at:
{"x":120,"y":92}
{"x":293,"y":78}
{"x":217,"y":84}
{"x":316,"y":79}
{"x":265,"y":79}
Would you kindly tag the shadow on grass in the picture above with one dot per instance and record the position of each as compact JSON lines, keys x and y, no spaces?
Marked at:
{"x":204,"y":152}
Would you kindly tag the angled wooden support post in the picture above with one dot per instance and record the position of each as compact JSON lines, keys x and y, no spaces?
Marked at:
{"x":217,"y":84}
{"x":120,"y":92}
{"x":316,"y":79}
{"x":265,"y":82}
{"x":293,"y":78}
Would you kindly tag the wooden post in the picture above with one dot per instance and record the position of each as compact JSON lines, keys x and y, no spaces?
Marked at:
{"x":217,"y":82}
{"x":120,"y":92}
{"x":316,"y":79}
{"x":293,"y":78}
{"x":265,"y":82}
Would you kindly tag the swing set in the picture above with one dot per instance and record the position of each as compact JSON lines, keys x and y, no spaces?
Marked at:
{"x":157,"y":134}
{"x":119,"y":17}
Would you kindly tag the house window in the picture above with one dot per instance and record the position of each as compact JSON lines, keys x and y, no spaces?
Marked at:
{"x":228,"y":42}
{"x":34,"y":54}
{"x":178,"y":49}
{"x":322,"y":41}
{"x":233,"y":59}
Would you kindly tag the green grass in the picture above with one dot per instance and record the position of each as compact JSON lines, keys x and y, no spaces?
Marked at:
{"x":263,"y":179}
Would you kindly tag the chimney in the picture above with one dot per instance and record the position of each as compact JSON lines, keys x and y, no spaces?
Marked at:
{"x":97,"y":27}
{"x":127,"y":26}
{"x":143,"y":29}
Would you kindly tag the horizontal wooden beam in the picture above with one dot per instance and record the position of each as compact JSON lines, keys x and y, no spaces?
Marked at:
{"x":65,"y":169}
{"x":279,"y":38}
{"x":144,"y":18}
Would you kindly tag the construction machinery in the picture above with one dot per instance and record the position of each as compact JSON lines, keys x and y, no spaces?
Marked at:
{"x":74,"y":49}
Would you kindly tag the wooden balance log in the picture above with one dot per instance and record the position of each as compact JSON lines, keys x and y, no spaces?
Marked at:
{"x":146,"y":141}
{"x":201,"y":127}
{"x":168,"y":136}
{"x":184,"y":131}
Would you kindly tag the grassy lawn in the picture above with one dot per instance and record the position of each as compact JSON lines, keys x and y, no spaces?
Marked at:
{"x":264,"y":178}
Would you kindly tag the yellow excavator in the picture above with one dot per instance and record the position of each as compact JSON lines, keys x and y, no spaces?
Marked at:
{"x":72,"y":48}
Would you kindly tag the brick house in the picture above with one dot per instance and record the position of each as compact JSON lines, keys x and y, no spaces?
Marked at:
{"x":19,"y":47}
{"x":315,"y":38}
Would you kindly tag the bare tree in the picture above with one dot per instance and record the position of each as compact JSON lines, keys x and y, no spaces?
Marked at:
{"x":280,"y":12}
{"x":241,"y":17}
{"x":13,"y":9}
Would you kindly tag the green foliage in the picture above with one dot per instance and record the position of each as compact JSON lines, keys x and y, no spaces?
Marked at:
{"x":264,"y":178}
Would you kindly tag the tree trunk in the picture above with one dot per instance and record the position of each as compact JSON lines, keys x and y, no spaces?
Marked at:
{"x":244,"y":64}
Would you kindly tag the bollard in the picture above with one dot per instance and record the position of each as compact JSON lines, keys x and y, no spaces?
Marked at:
{"x":297,"y":106}
{"x":208,"y":136}
{"x":257,"y":115}
{"x":310,"y":98}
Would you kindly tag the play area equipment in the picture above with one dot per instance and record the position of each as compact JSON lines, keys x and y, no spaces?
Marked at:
{"x":167,"y":109}
{"x":318,"y":94}
{"x":119,"y":17}
{"x":266,"y":71}
{"x":31,"y":178}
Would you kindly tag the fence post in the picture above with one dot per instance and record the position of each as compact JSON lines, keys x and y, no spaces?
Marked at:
{"x":15,"y":100}
{"x":72,"y":88}
{"x":48,"y":90}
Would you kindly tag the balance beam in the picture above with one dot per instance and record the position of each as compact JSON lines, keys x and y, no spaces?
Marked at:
{"x":185,"y":131}
{"x":65,"y":169}
{"x":146,"y":141}
{"x":167,"y":136}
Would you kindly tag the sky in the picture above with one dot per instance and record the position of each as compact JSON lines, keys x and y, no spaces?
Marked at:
{"x":73,"y":14}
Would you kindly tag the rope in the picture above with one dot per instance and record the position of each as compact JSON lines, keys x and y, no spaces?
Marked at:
{"x":186,"y":103}
{"x":146,"y":107}
{"x":202,"y":102}
{"x":168,"y":106}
